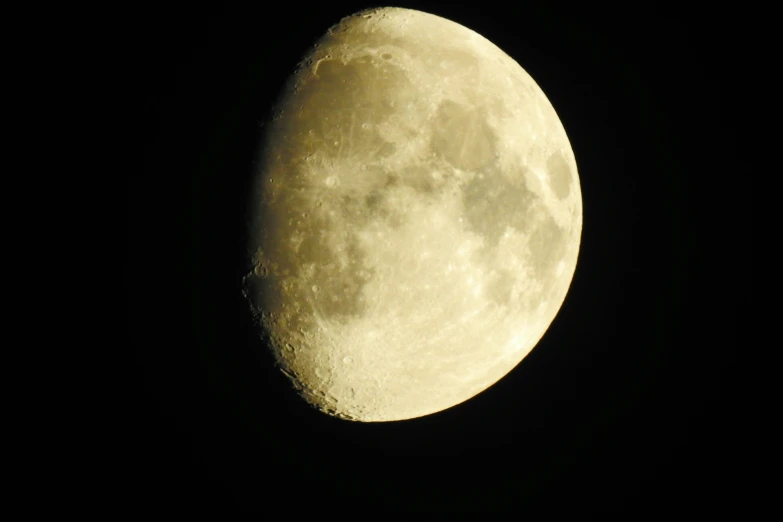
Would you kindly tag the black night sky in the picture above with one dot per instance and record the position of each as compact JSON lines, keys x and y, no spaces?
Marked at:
{"x":628,"y":403}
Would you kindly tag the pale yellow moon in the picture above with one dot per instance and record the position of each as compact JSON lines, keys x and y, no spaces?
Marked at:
{"x":417,"y":214}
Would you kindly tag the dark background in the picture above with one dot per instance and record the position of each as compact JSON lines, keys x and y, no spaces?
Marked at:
{"x":628,"y":402}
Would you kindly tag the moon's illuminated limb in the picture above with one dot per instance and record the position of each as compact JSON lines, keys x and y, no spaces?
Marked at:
{"x":419,"y":217}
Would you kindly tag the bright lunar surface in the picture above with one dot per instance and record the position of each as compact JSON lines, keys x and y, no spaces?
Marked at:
{"x":417,"y":218}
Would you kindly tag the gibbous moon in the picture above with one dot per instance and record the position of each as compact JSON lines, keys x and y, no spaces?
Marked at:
{"x":417,"y":218}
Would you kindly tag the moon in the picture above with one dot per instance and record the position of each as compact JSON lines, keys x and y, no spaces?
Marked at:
{"x":416,"y":218}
